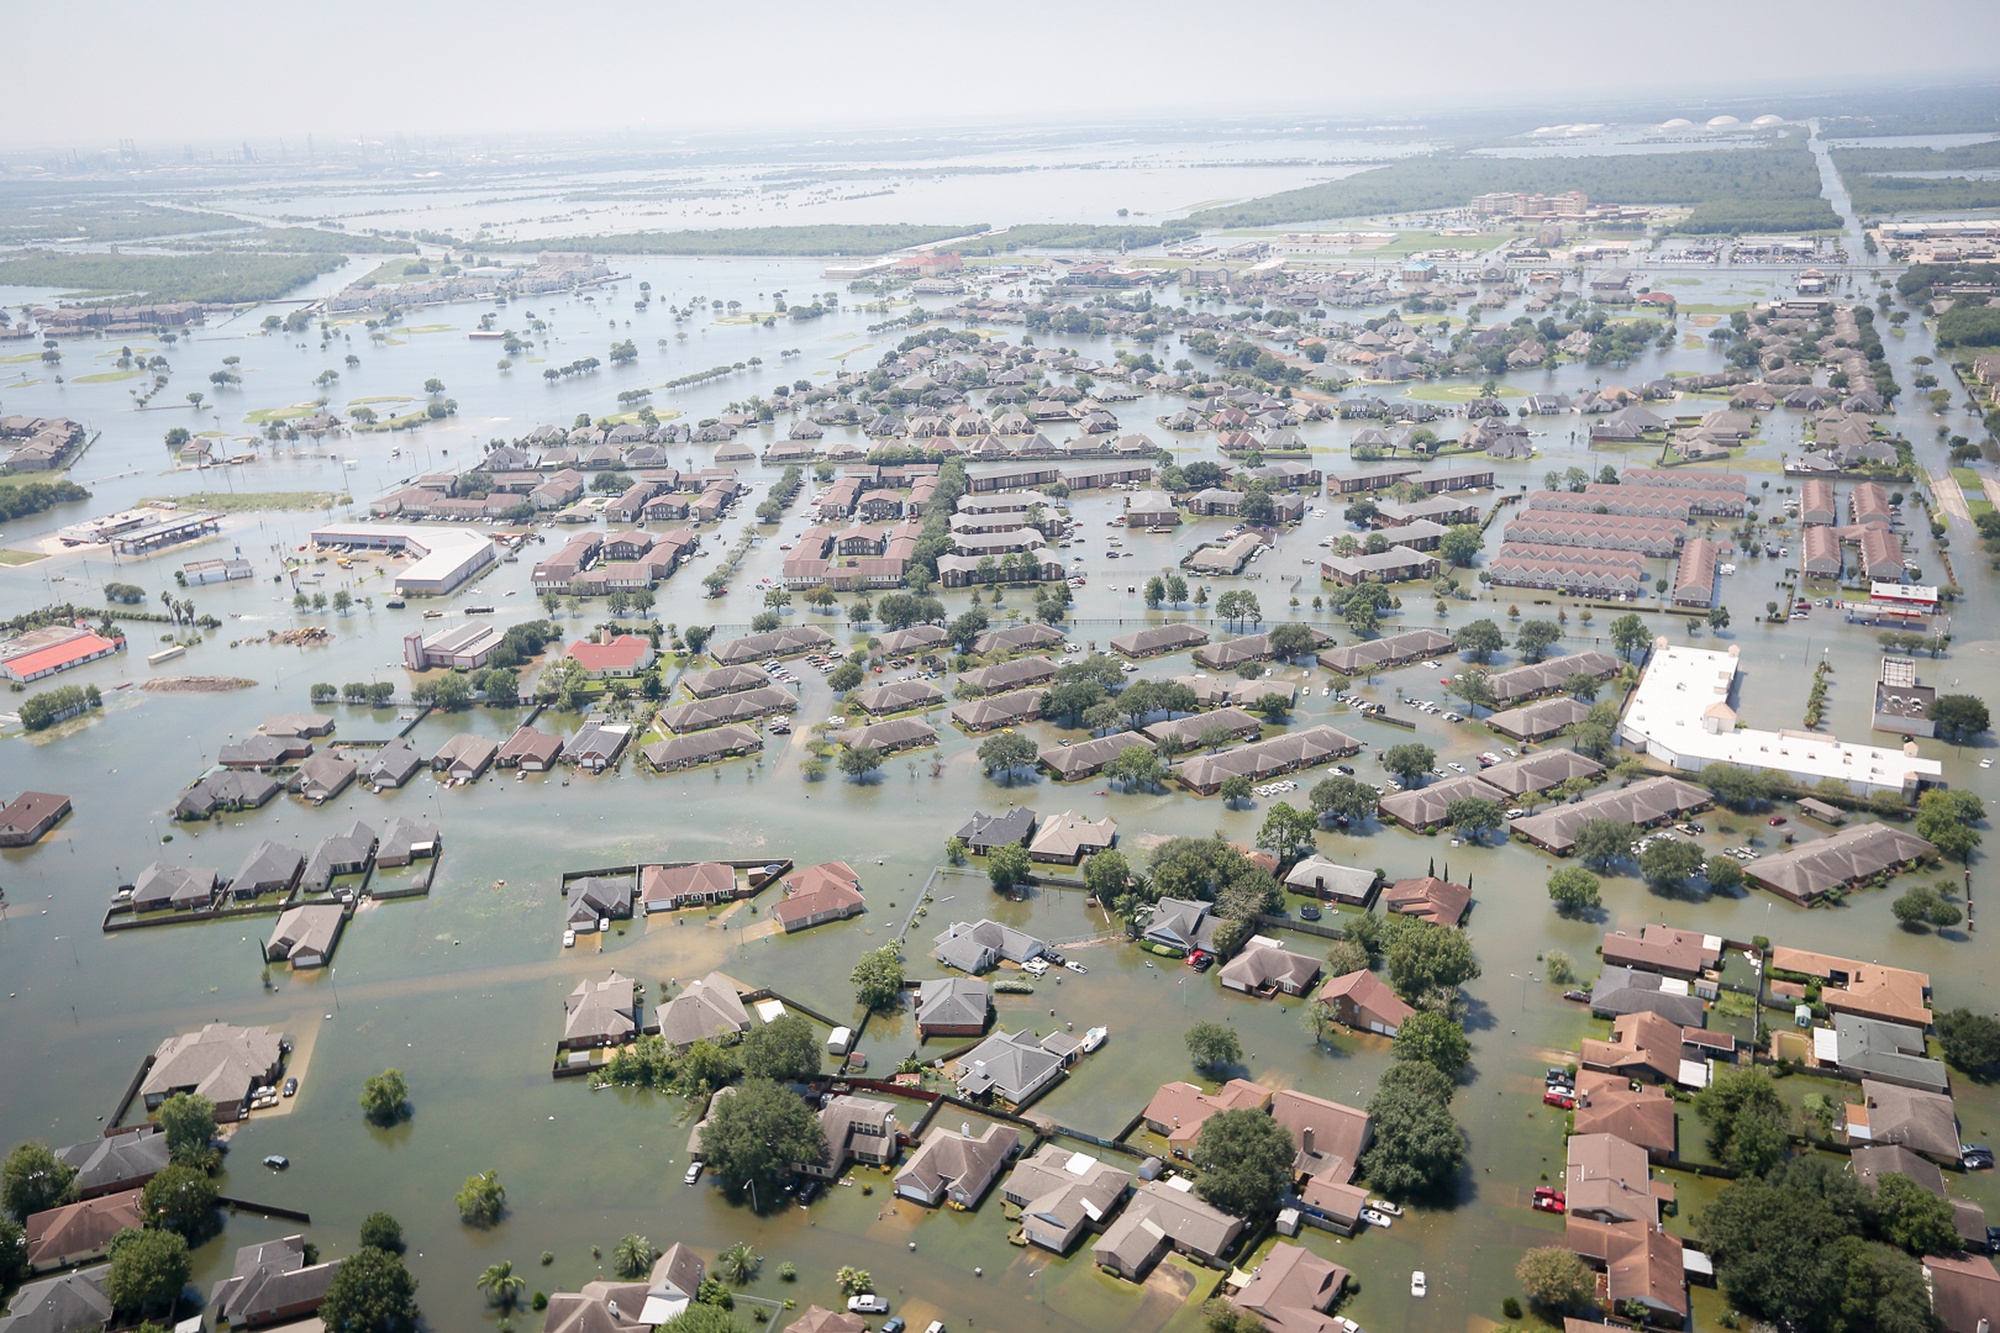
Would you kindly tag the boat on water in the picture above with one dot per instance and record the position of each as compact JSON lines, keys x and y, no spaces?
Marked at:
{"x":1094,"y":1039}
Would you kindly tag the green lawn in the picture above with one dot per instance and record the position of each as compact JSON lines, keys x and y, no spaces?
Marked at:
{"x":108,"y":377}
{"x":265,"y":415}
{"x":8,"y":557}
{"x":1459,"y":393}
{"x":237,"y":502}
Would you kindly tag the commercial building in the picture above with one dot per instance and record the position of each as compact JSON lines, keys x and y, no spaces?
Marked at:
{"x":466,"y":647}
{"x":445,"y":557}
{"x":1647,"y":803}
{"x":1680,"y":714}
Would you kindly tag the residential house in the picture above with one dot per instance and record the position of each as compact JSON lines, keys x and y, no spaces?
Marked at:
{"x":1871,"y":990}
{"x":464,"y":757}
{"x":1317,"y":877}
{"x":530,"y":751}
{"x":601,"y":1307}
{"x":271,"y":1283}
{"x":406,"y":841}
{"x":76,"y":1233}
{"x":1964,"y":1291}
{"x":305,"y":935}
{"x":269,"y":867}
{"x":623,"y":657}
{"x":600,"y":1013}
{"x":1622,"y":990}
{"x":1923,"y":1122}
{"x":1293,"y":1291}
{"x":1363,"y":1001}
{"x":1062,"y":1194}
{"x":220,"y":792}
{"x":1643,"y":1046}
{"x":597,"y":900}
{"x":1645,"y":1115}
{"x":26,"y":818}
{"x":1011,"y":1067}
{"x":1873,"y":1048}
{"x":709,"y":1007}
{"x":701,"y":884}
{"x":1643,"y":1265}
{"x":1181,"y":923}
{"x":955,"y":1166}
{"x":113,"y":1163}
{"x":672,"y":1285}
{"x":980,"y":946}
{"x":1179,"y":1110}
{"x":1610,"y":1180}
{"x":818,"y":894}
{"x":323,"y":777}
{"x":1067,"y":838}
{"x":1072,"y":763}
{"x":349,"y":852}
{"x":983,"y":832}
{"x":1264,"y":970}
{"x":1164,"y":1215}
{"x":953,"y":1007}
{"x":161,"y":887}
{"x":819,"y":1320}
{"x":67,"y":1303}
{"x":1663,"y":949}
{"x":1438,"y":901}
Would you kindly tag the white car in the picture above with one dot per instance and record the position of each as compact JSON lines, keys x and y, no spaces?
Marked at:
{"x":692,"y":1174}
{"x":1375,"y":1219}
{"x":869,"y":1304}
{"x":1419,"y":1284}
{"x":1036,"y":967}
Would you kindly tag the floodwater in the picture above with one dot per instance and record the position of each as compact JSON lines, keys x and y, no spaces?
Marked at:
{"x":463,"y":989}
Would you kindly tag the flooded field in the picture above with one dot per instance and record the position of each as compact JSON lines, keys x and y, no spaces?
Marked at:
{"x":463,"y":989}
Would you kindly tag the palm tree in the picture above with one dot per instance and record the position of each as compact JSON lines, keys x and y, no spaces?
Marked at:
{"x":738,"y":1264}
{"x":502,"y":1285}
{"x":633,"y":1257}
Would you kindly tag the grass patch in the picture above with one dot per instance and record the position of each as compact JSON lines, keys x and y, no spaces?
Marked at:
{"x":20,"y":360}
{"x":265,"y":415}
{"x":108,"y":377}
{"x":229,"y":278}
{"x":8,"y":557}
{"x":1459,"y":393}
{"x":241,"y":502}
{"x":368,"y":402}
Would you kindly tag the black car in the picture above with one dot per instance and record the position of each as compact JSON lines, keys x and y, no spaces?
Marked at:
{"x":1309,"y":913}
{"x":1345,"y":770}
{"x":1207,"y":961}
{"x":1975,"y":1156}
{"x":1556,"y":1074}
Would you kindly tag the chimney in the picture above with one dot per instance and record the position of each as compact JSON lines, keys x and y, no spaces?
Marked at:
{"x":1306,"y":1141}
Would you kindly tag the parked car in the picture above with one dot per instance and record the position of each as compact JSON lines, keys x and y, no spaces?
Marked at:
{"x":1550,"y":1200}
{"x":692,"y":1174}
{"x":1777,"y":820}
{"x":894,"y":1325}
{"x":1419,"y":1284}
{"x":1375,"y":1219}
{"x":1560,"y":1096}
{"x":1208,"y":961}
{"x":277,"y":1161}
{"x":1975,"y":1157}
{"x":291,"y":1087}
{"x":1196,"y":957}
{"x":867,"y":1304}
{"x":1556,"y":1074}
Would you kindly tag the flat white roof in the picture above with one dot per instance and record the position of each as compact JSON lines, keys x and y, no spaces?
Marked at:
{"x":442,"y":551}
{"x":1685,"y":692}
{"x":1903,"y":592}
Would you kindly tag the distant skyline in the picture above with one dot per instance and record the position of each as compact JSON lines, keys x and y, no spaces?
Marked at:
{"x":220,"y":70}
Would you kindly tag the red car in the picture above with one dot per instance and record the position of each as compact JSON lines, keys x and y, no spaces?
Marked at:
{"x":1197,"y":958}
{"x":1550,"y":1200}
{"x":1562,"y":1097}
{"x":1777,"y":820}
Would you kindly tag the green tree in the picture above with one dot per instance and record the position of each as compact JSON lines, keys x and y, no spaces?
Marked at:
{"x":380,"y":1231}
{"x":1287,"y":832}
{"x":1292,"y":641}
{"x":1245,"y":1162}
{"x":1737,"y":787}
{"x":858,"y":761}
{"x":1605,"y":842}
{"x":188,"y":1121}
{"x":1409,"y":761}
{"x":1008,"y":865}
{"x":878,"y":979}
{"x":845,"y":677}
{"x":632,"y":1257}
{"x":385,"y":1097}
{"x":1108,"y":875}
{"x":753,"y":1138}
{"x":1480,"y":639}
{"x":1418,"y":1147}
{"x":1234,"y":791}
{"x":701,"y":1317}
{"x":854,"y":1281}
{"x":1629,"y":634}
{"x":181,"y":1198}
{"x":784,"y":1050}
{"x":1554,"y":1278}
{"x":1574,"y":890}
{"x":1343,"y":796}
{"x":149,"y":1269}
{"x":1670,"y":863}
{"x":1944,"y":818}
{"x":1971,"y":1041}
{"x":1426,"y":960}
{"x":1006,"y":752}
{"x":1909,"y":1216}
{"x":1959,"y":717}
{"x":1723,"y":873}
{"x":1213,"y":1046}
{"x":1474,"y":815}
{"x":502,"y":1285}
{"x":1535,"y":637}
{"x":33,"y":1179}
{"x":738,"y":1264}
{"x":1434,"y":1038}
{"x":1718,"y":617}
{"x":1460,"y":543}
{"x":1748,"y":1125}
{"x":372,"y":1293}
{"x":482,"y":1200}
{"x":13,"y":1252}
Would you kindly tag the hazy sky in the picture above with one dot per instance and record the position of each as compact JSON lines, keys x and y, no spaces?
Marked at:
{"x":230,"y":69}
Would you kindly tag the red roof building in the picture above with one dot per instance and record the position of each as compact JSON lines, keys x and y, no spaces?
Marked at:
{"x":818,"y":894}
{"x":60,"y":657}
{"x":625,"y":656}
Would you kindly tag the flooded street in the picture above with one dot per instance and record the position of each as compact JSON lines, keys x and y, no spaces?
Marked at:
{"x":463,"y":989}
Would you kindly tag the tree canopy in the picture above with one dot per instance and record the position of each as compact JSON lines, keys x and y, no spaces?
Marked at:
{"x":372,"y":1293}
{"x":878,"y":979}
{"x":785,"y":1050}
{"x":1245,"y":1160}
{"x":754,"y":1136}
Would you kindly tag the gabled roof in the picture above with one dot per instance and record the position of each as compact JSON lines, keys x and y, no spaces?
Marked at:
{"x":707,"y":1007}
{"x":1365,"y":990}
{"x":80,"y":1230}
{"x":953,"y":1002}
{"x":1439,"y":901}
